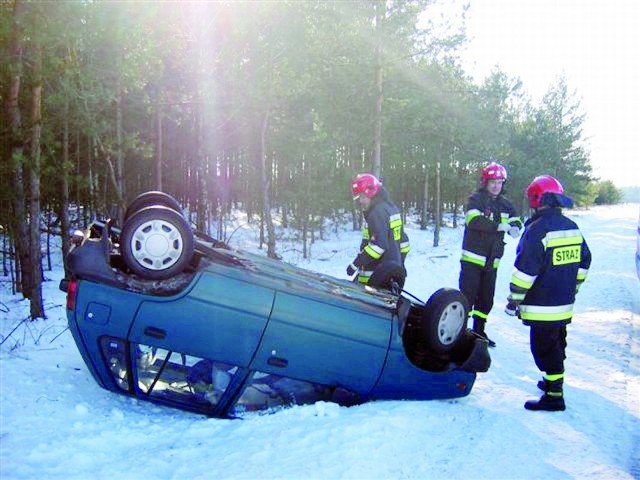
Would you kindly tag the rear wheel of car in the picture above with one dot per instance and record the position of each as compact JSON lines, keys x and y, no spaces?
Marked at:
{"x":156,"y":242}
{"x":150,"y":199}
{"x":444,"y":319}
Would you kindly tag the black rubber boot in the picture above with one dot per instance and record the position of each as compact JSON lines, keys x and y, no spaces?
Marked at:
{"x":546,"y":403}
{"x":478,"y":327}
{"x":542,"y":385}
{"x":551,"y":401}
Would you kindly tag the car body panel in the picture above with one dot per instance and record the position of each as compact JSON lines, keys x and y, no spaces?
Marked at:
{"x":220,"y":318}
{"x":282,"y":276}
{"x":402,"y":379}
{"x":101,"y":310}
{"x":327,"y":344}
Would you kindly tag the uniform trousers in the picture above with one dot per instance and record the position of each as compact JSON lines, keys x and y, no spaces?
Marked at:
{"x":548,"y":347}
{"x":478,"y":284}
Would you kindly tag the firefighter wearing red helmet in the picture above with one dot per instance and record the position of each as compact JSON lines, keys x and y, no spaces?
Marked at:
{"x":488,"y":216}
{"x":552,"y":261}
{"x":384,"y":241}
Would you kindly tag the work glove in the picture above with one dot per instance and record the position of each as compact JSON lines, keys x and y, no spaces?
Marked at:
{"x":513,"y":307}
{"x":351,"y":269}
{"x":514,"y":231}
{"x":504,"y":227}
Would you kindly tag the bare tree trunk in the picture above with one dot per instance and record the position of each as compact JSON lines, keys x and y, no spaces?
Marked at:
{"x":159,"y":148}
{"x":92,"y":203}
{"x":304,"y":207}
{"x":101,"y":188}
{"x":305,"y":233}
{"x":455,"y":212}
{"x":119,"y":174}
{"x":112,"y":174}
{"x":48,"y":240}
{"x":404,"y":206}
{"x":63,"y":214}
{"x":265,"y":182}
{"x":261,"y":225}
{"x":223,"y":187}
{"x":78,"y":198}
{"x":20,"y":229}
{"x":13,"y":267}
{"x":23,"y":258}
{"x":201,"y":177}
{"x":437,"y":207}
{"x":203,"y":197}
{"x":285,"y":216}
{"x":5,"y":255}
{"x":376,"y":161}
{"x":425,"y":202}
{"x":37,"y":308}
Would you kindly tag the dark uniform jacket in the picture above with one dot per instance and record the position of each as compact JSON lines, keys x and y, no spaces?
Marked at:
{"x":483,"y":244}
{"x":552,"y":260}
{"x":383,"y":237}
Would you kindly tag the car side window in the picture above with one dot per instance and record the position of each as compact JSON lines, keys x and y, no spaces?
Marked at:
{"x":180,"y":378}
{"x":266,"y":391}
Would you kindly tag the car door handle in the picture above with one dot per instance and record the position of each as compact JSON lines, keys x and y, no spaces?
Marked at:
{"x":155,"y":332}
{"x":278,"y":362}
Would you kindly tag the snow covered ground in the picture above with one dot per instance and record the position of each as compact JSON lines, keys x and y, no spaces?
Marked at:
{"x":55,"y":422}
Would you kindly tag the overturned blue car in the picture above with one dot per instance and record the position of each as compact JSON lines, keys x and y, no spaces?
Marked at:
{"x":162,"y":313}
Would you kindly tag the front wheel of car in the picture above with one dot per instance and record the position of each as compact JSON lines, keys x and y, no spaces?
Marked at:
{"x":156,"y":243}
{"x":444,"y":319}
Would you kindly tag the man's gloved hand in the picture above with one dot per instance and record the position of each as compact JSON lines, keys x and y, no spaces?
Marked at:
{"x":512,"y":309}
{"x":514,"y":231}
{"x":351,"y":269}
{"x":504,"y":227}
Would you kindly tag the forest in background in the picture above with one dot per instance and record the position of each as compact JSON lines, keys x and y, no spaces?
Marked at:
{"x":268,"y":107}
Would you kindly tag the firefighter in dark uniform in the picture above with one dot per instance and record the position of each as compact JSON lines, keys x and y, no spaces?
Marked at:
{"x":488,"y":216}
{"x":384,"y":241}
{"x":552,"y":261}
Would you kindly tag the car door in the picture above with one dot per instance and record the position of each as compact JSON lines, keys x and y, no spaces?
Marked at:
{"x":327,"y":342}
{"x":220,"y":318}
{"x":193,"y":352}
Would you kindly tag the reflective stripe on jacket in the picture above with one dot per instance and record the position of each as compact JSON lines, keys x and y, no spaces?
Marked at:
{"x":552,"y":260}
{"x":482,"y":242}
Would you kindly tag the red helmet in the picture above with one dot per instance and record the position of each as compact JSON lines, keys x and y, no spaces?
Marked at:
{"x":493,"y":171}
{"x":365,"y":183}
{"x":541,"y":185}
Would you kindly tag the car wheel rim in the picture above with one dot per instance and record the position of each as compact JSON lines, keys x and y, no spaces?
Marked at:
{"x":156,"y":245}
{"x":451,"y":321}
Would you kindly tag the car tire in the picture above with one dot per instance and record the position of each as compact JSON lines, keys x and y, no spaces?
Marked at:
{"x":152,"y":198}
{"x":444,"y":319}
{"x":156,"y":243}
